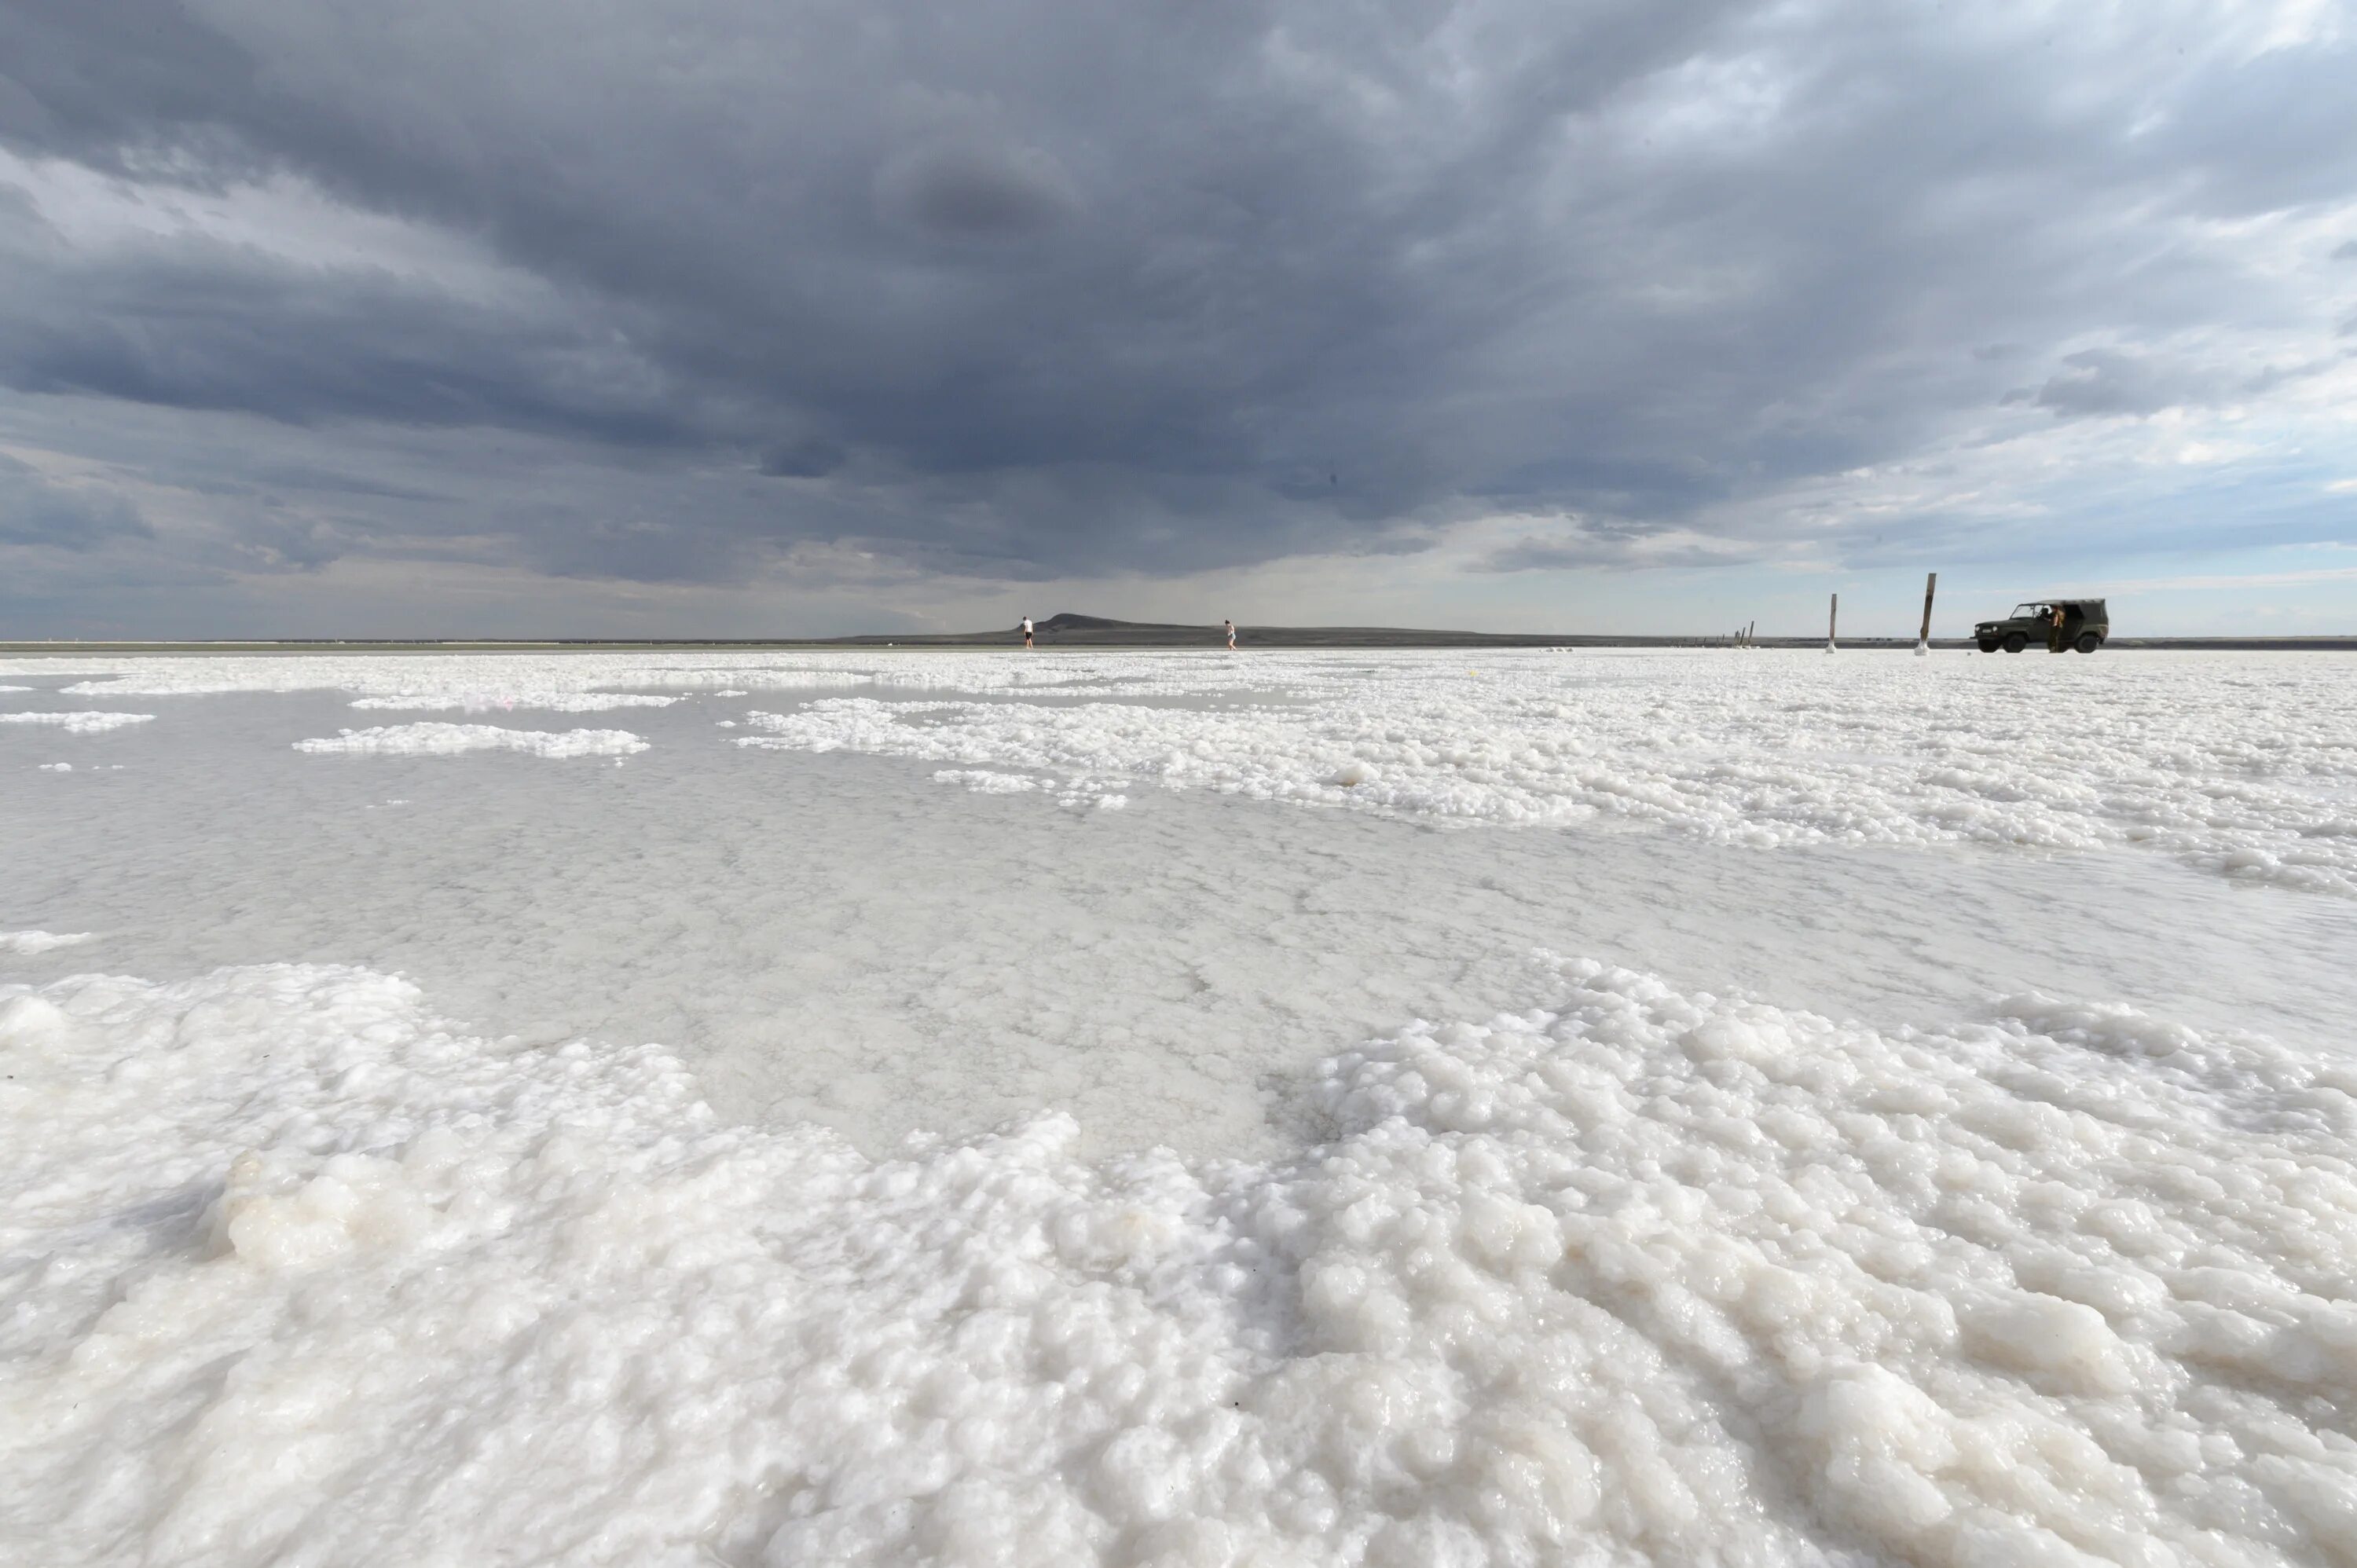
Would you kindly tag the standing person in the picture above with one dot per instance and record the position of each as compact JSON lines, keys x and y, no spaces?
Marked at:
{"x":2054,"y":631}
{"x":1026,"y":631}
{"x":1232,"y":635}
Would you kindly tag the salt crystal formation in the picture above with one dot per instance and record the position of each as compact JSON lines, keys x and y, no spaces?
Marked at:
{"x":301,"y":1271}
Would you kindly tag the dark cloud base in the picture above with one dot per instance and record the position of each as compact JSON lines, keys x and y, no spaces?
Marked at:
{"x":1025,"y":291}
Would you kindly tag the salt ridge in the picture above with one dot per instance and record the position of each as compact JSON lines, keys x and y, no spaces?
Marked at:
{"x":554,"y":702}
{"x":432,"y":739}
{"x":79,"y":722}
{"x":41,"y":942}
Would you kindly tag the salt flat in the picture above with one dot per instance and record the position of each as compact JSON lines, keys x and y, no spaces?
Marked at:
{"x":971,"y":1107}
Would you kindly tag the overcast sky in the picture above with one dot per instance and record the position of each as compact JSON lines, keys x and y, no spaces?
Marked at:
{"x":748,"y":317}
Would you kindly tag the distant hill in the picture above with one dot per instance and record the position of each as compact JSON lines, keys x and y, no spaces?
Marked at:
{"x":1071,"y":630}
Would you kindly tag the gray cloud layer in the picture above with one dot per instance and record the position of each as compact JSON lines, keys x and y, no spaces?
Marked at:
{"x":1015,"y":289}
{"x":35,"y":511}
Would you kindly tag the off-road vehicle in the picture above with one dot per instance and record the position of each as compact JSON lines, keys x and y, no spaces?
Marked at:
{"x":2060,"y":624}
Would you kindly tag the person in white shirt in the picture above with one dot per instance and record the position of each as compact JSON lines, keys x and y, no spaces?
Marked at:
{"x":1232,"y":635}
{"x":1026,"y":631}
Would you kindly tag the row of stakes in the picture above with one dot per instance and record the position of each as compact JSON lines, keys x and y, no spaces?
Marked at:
{"x":1745,"y":637}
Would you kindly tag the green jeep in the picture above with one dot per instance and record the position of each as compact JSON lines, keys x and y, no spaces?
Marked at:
{"x":2060,"y":624}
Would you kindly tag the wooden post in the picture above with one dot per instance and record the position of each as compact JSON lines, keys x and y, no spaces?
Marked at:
{"x":1832,"y":621}
{"x":1923,"y":638}
{"x":1752,"y":634}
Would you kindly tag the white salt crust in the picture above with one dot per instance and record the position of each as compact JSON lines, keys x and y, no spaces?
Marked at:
{"x":1083,"y":794}
{"x":434,"y":739}
{"x":292,"y":1270}
{"x":41,"y":942}
{"x":486,"y":702}
{"x":2241,"y":764}
{"x":298,"y":1272}
{"x":983,"y":782}
{"x":77,"y":724}
{"x":2246,"y":768}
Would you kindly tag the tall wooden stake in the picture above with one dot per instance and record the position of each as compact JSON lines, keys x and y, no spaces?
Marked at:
{"x":1832,"y":621}
{"x":1923,"y":638}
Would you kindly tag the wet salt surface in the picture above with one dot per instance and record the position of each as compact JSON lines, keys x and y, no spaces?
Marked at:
{"x":844,"y":937}
{"x":1630,"y":1251}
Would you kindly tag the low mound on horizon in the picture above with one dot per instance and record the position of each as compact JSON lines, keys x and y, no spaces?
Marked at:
{"x":1070,"y":629}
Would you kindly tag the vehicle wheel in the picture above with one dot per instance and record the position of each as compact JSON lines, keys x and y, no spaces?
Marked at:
{"x":2088,"y":642}
{"x":2017,"y":642}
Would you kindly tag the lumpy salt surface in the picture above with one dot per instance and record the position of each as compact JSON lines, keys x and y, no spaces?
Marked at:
{"x":979,"y":1108}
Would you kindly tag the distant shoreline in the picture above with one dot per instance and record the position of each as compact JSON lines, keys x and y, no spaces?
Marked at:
{"x":1369,"y":638}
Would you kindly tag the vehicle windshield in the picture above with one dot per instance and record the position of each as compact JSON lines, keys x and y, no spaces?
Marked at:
{"x":2031,"y":610}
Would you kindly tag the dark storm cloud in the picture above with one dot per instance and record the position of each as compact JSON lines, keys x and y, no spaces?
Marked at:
{"x":811,"y":458}
{"x":37,"y":512}
{"x":1576,"y":545}
{"x":202,"y":326}
{"x":969,"y":192}
{"x":1020,"y":289}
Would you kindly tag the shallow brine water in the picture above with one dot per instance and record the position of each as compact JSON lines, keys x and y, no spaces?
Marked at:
{"x":969,"y":1108}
